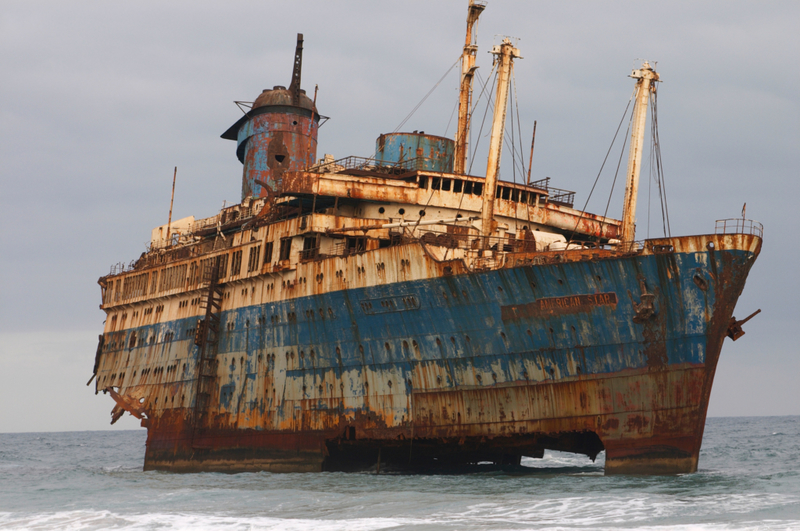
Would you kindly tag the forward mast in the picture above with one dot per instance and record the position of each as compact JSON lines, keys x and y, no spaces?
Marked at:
{"x":646,"y":79}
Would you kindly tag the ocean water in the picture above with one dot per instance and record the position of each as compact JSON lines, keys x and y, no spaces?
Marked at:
{"x":749,"y":478}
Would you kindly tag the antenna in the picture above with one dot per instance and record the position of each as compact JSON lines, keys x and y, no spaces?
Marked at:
{"x":530,"y":164}
{"x":169,"y":222}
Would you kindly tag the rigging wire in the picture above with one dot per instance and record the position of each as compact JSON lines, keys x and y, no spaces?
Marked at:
{"x":509,"y":146}
{"x":619,"y":163}
{"x":426,"y":96}
{"x":513,"y":151}
{"x":488,"y":102}
{"x":662,"y":186}
{"x":650,"y":180}
{"x":446,"y":129}
{"x":519,"y":125}
{"x":603,"y":165}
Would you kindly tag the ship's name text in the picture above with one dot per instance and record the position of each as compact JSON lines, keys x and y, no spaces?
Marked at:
{"x":559,"y":305}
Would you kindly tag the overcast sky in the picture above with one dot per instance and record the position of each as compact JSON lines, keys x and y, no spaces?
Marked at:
{"x":100,"y":100}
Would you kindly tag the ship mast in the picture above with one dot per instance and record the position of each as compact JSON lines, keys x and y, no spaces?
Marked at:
{"x":465,"y":94}
{"x":645,"y":78}
{"x":504,"y":53}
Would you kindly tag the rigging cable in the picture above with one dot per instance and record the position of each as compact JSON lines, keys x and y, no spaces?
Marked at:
{"x":619,"y":163}
{"x":513,"y":151}
{"x":662,"y":185}
{"x":613,"y":140}
{"x":519,"y":123}
{"x":426,"y":96}
{"x":490,"y":105}
{"x":472,"y":159}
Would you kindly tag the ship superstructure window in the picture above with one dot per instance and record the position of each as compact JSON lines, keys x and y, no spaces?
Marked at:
{"x":446,"y":185}
{"x":236,"y":263}
{"x":154,"y":283}
{"x":457,"y":185}
{"x":135,"y":286}
{"x":268,"y":252}
{"x":194,"y":273}
{"x":310,"y":247}
{"x":355,"y":245}
{"x":252,"y":260}
{"x":173,"y":277}
{"x":223,"y":266}
{"x":286,"y":249}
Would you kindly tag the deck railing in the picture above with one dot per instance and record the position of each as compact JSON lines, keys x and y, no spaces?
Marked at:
{"x":371,"y":165}
{"x":739,"y":226}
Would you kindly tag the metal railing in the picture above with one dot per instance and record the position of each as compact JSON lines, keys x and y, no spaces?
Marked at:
{"x":739,"y":226}
{"x":555,"y":195}
{"x":371,"y":165}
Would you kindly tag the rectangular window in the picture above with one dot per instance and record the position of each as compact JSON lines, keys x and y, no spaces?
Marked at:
{"x":514,"y":194}
{"x":506,"y":193}
{"x":477,"y":189}
{"x":457,"y":184}
{"x":310,"y":247}
{"x":446,"y":185}
{"x":193,"y":273}
{"x":436,"y":183}
{"x":252,"y":260}
{"x":523,"y":197}
{"x":468,"y":187}
{"x":154,"y":283}
{"x":355,"y":245}
{"x":223,"y":266}
{"x":286,"y":248}
{"x":423,"y":182}
{"x":236,"y":263}
{"x":268,"y":252}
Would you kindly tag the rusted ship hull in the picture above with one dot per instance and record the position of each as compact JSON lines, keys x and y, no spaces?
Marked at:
{"x":573,"y":351}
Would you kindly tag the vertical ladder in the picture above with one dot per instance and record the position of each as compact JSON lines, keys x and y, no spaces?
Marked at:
{"x":207,"y":338}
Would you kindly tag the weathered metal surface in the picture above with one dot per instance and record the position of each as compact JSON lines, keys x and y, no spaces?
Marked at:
{"x":278,"y":134}
{"x":504,"y":54}
{"x":433,"y":153}
{"x":353,"y":318}
{"x":298,"y":369}
{"x":468,"y":69}
{"x":646,"y":79}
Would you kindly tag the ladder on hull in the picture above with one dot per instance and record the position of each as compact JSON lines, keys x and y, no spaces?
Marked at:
{"x":207,"y":339}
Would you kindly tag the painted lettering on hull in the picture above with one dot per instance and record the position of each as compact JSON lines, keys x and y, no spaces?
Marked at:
{"x":557,"y":305}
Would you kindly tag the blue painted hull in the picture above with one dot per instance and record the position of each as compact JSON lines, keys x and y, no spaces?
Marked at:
{"x":499,"y":363}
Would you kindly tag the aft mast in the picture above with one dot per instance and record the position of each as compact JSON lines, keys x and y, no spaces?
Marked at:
{"x":646,"y":78}
{"x":465,"y":94}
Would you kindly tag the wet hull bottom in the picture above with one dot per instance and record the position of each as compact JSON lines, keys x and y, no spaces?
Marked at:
{"x":250,"y":450}
{"x":418,"y":456}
